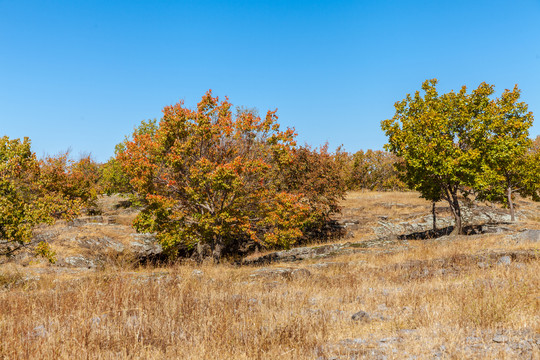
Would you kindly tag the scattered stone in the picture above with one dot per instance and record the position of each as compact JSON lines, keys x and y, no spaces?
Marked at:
{"x":361,"y":316}
{"x":408,"y":331}
{"x":97,"y":320}
{"x":80,"y":262}
{"x":133,"y":321}
{"x":473,"y":339}
{"x":357,"y":341}
{"x":289,"y":273}
{"x":297,"y":254}
{"x":504,"y":260}
{"x":98,"y":243}
{"x":197,"y":273}
{"x":500,"y":338}
{"x":300,"y":273}
{"x":40,"y":332}
{"x":145,"y":246}
{"x":527,"y":235}
{"x":272,"y":284}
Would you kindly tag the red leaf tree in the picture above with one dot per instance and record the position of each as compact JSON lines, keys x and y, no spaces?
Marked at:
{"x":209,"y":177}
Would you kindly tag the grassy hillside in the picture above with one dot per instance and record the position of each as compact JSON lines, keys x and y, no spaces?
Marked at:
{"x":376,"y":297}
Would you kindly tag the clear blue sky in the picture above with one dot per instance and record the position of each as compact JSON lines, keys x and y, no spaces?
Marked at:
{"x":82,"y":74}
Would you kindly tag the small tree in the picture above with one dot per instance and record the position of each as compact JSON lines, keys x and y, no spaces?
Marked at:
{"x":506,"y":163}
{"x":374,"y":170}
{"x":442,"y":139}
{"x":208,"y":178}
{"x":24,"y":201}
{"x":76,"y":180}
{"x":113,"y":179}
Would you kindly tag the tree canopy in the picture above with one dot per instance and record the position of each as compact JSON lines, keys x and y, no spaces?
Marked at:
{"x":25,"y":200}
{"x":216,"y":177}
{"x":458,"y":143}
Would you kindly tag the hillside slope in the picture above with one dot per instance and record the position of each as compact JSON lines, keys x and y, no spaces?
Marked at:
{"x":370,"y":296}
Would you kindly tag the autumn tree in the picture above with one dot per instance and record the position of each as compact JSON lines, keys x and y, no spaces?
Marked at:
{"x":74,"y":179}
{"x":316,"y":174}
{"x":24,"y":201}
{"x":208,"y":177}
{"x":447,"y":141}
{"x":374,"y":170}
{"x":113,"y":178}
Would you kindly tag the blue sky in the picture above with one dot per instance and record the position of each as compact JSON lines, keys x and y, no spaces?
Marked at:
{"x":82,"y":74}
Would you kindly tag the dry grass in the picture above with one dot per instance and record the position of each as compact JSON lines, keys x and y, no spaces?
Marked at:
{"x":432,"y":299}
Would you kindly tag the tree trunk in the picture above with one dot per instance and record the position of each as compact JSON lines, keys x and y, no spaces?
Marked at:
{"x":510,"y":203}
{"x":217,"y":248}
{"x":434,"y":216}
{"x":458,"y":229}
{"x":452,"y":198}
{"x":200,"y":251}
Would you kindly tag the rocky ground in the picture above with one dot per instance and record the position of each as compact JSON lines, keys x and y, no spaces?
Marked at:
{"x":392,"y":289}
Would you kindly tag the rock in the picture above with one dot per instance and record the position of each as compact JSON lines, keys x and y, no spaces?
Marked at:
{"x":388,"y":228}
{"x":361,"y":316}
{"x":319,"y":265}
{"x":271,"y":284}
{"x":80,"y":262}
{"x":146,"y":245}
{"x":357,"y":341}
{"x":300,"y":273}
{"x":500,"y":338}
{"x":197,"y":273}
{"x":100,"y":243}
{"x":473,"y":339}
{"x":40,"y":331}
{"x":97,"y":320}
{"x":272,"y":272}
{"x":504,"y":260}
{"x":296,"y":254}
{"x":388,"y":340}
{"x":494,"y":229}
{"x":133,"y":321}
{"x":348,"y":221}
{"x":527,"y":235}
{"x":289,"y":273}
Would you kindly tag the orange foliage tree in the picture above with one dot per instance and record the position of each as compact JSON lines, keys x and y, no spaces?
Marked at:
{"x":76,"y":180}
{"x":317,"y":174}
{"x":209,"y":177}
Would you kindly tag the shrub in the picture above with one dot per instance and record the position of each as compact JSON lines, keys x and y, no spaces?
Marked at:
{"x":374,"y":170}
{"x":24,"y":200}
{"x":317,"y":175}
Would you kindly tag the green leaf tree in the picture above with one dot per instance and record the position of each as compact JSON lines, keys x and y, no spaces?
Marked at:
{"x":448,"y":141}
{"x":509,"y":166}
{"x":24,"y":200}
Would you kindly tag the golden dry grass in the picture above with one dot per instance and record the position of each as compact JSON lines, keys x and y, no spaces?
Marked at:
{"x":432,"y":298}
